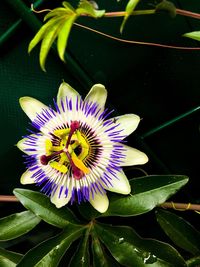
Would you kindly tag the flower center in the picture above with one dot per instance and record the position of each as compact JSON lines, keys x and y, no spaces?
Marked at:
{"x":67,"y":151}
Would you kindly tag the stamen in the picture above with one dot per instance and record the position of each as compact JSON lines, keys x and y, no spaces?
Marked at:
{"x":78,"y":167}
{"x":45,"y":159}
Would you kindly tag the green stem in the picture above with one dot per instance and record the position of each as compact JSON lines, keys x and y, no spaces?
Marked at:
{"x":123,"y":13}
{"x":150,"y":12}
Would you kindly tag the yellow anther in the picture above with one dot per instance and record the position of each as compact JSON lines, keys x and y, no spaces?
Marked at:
{"x":79,"y":164}
{"x":48,"y":147}
{"x":84,"y":145}
{"x":62,"y":132}
{"x":59,"y":167}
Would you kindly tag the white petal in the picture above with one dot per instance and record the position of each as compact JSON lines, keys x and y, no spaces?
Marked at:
{"x":65,"y":90}
{"x":97,"y":94}
{"x":39,"y":144}
{"x":22,"y":146}
{"x":120,"y":184}
{"x":133,"y":156}
{"x":26,"y":178}
{"x":100,"y":202}
{"x":60,"y":200}
{"x":128,"y":123}
{"x":31,"y":106}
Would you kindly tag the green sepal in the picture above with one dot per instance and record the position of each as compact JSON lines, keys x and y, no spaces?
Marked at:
{"x":9,"y":258}
{"x":85,"y":7}
{"x":17,"y":224}
{"x":182,"y":233}
{"x":129,"y":249}
{"x":129,"y":9}
{"x":146,"y":193}
{"x":42,"y":207}
{"x":166,"y":6}
{"x":51,"y":251}
{"x":193,"y":35}
{"x":81,"y":257}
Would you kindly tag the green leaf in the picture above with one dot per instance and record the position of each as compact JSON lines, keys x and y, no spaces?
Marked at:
{"x":40,"y":34}
{"x":57,"y":13}
{"x":85,"y":7}
{"x":193,"y":35}
{"x":87,"y":211}
{"x":40,"y":205}
{"x":193,"y":262}
{"x":17,"y":224}
{"x":119,"y":240}
{"x":9,"y":258}
{"x":48,"y":39}
{"x":50,"y":252}
{"x":81,"y":257}
{"x":147,"y":192}
{"x":68,"y":6}
{"x":129,"y":9}
{"x":64,"y":34}
{"x":100,"y":258}
{"x":168,"y":7}
{"x":163,"y":251}
{"x":180,"y":231}
{"x":129,"y":249}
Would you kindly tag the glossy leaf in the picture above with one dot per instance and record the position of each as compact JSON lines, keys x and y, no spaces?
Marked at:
{"x":86,"y":7}
{"x":147,"y":192}
{"x":164,"y":252}
{"x":81,"y":258}
{"x":119,"y":241}
{"x":87,"y":211}
{"x":100,"y":258}
{"x":17,"y":224}
{"x":9,"y":258}
{"x":48,"y":39}
{"x":193,"y":35}
{"x":129,"y":9}
{"x":40,"y":205}
{"x":68,"y":6}
{"x":63,"y":35}
{"x":58,"y":12}
{"x":40,"y":34}
{"x":193,"y":262}
{"x":168,"y":7}
{"x":50,"y":252}
{"x":180,"y":231}
{"x":131,"y":250}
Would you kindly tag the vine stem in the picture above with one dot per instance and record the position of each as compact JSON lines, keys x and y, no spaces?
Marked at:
{"x":180,"y":206}
{"x":136,"y":42}
{"x":8,"y":198}
{"x":152,"y":11}
{"x":165,"y":205}
{"x":181,"y":12}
